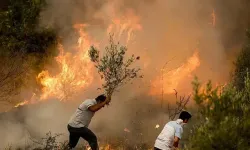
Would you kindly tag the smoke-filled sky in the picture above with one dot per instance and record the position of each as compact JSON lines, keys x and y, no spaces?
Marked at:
{"x":163,"y":30}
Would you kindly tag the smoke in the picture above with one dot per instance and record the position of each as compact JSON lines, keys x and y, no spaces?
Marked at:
{"x":171,"y":30}
{"x":23,"y":125}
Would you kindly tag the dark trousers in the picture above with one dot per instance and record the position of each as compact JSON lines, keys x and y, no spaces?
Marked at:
{"x":85,"y":133}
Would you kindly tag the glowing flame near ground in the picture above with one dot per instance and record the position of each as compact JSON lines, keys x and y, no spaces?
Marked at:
{"x":30,"y":101}
{"x":125,"y":24}
{"x":22,"y":103}
{"x":105,"y":147}
{"x":172,"y":79}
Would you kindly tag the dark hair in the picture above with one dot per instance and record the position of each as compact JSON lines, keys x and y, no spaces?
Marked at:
{"x":185,"y":115}
{"x":101,"y":98}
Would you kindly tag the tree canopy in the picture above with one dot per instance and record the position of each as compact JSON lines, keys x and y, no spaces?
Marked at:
{"x":23,"y":43}
{"x":242,"y":64}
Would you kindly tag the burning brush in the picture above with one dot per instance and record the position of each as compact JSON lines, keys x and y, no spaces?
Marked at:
{"x":112,"y":67}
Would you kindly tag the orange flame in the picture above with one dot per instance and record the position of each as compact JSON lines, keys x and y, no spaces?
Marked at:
{"x":105,"y":147}
{"x":172,"y":78}
{"x":128,"y":23}
{"x":31,"y":100}
{"x":75,"y":71}
{"x":22,"y":103}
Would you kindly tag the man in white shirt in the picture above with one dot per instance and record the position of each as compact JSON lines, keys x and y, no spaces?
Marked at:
{"x":171,"y":134}
{"x":80,"y":120}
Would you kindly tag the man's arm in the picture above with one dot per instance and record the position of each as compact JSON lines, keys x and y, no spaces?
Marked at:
{"x":98,"y":106}
{"x":177,"y":137}
{"x":176,"y":142}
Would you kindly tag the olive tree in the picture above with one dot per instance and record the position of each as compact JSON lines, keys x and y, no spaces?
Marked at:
{"x":112,"y":67}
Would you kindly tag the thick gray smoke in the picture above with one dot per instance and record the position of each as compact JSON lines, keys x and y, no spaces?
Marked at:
{"x":170,"y":28}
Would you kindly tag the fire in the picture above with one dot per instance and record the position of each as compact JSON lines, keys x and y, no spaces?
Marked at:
{"x":127,"y":23}
{"x":31,"y":100}
{"x":106,"y":147}
{"x":22,"y":103}
{"x":169,"y":81}
{"x":75,"y":70}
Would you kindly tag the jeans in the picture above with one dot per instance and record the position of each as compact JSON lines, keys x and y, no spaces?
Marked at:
{"x":85,"y":133}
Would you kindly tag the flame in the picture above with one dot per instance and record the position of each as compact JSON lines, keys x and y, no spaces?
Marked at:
{"x":75,"y":70}
{"x":105,"y":147}
{"x":127,"y":23}
{"x":25,"y":102}
{"x":170,"y":80}
{"x":22,"y":103}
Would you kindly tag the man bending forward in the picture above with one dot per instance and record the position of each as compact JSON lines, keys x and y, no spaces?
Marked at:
{"x":169,"y":137}
{"x":79,"y":122}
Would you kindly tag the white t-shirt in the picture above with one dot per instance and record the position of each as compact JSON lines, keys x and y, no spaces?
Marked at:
{"x":165,"y":140}
{"x":82,"y":116}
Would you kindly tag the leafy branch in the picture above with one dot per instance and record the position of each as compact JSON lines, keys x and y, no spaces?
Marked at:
{"x":112,"y":66}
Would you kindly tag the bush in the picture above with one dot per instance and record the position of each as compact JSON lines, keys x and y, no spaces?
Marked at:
{"x":223,"y":113}
{"x":242,"y":65}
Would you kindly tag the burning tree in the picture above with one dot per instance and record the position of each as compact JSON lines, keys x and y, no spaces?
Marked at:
{"x":112,"y":66}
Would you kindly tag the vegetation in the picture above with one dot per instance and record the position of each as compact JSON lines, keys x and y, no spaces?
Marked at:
{"x":113,"y":67}
{"x":24,"y":47}
{"x":223,"y":111}
{"x":222,"y":120}
{"x":242,"y":65}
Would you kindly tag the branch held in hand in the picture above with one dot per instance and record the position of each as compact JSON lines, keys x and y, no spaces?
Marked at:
{"x":112,"y":66}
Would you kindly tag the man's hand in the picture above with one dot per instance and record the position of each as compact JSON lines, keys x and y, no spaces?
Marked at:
{"x":100,"y":105}
{"x":176,"y":142}
{"x":108,"y":99}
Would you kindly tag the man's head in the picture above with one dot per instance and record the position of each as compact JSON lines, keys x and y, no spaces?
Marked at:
{"x":100,"y":98}
{"x":185,"y":116}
